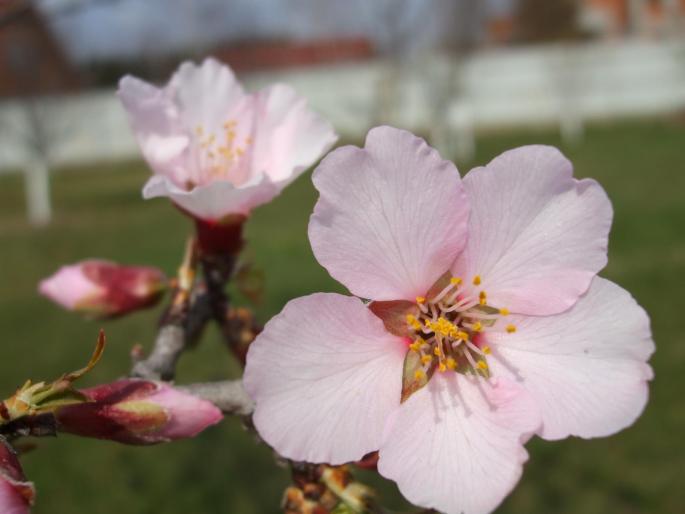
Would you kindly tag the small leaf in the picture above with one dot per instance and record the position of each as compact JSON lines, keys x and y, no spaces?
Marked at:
{"x":343,"y":508}
{"x":37,"y":398}
{"x":94,"y":359}
{"x":61,"y":399}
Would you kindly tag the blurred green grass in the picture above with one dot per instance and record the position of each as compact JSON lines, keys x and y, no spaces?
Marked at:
{"x":98,"y":212}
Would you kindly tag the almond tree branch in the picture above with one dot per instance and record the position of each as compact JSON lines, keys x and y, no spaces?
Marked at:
{"x":227,"y":395}
{"x":193,"y":305}
{"x":176,"y":325}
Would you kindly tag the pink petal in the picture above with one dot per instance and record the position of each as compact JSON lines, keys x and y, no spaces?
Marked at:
{"x":290,"y":136}
{"x":156,"y":124}
{"x":215,"y":200}
{"x":586,"y":367}
{"x":71,"y":288}
{"x":391,"y":217}
{"x":188,"y":414}
{"x":456,"y":445}
{"x":11,"y":499}
{"x":205,"y":94}
{"x":536,"y":235}
{"x":324,"y":375}
{"x":16,"y":494}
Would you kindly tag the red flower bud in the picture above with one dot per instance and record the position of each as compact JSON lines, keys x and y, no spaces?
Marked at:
{"x":104,"y":289}
{"x":139,"y":412}
{"x":16,"y":494}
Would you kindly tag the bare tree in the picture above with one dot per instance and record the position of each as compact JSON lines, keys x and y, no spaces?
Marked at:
{"x":451,"y":128}
{"x":32,"y":124}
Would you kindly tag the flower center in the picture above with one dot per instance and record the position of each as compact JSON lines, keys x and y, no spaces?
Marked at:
{"x":219,"y":154}
{"x":449,"y":329}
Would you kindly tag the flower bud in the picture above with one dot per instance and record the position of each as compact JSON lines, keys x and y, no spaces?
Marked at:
{"x":104,"y":289}
{"x":16,"y":494}
{"x":138,"y":412}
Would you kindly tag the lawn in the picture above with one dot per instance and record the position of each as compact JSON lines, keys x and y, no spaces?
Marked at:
{"x":99,"y":213}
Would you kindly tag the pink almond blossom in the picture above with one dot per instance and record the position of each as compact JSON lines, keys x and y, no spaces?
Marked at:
{"x":138,"y":412}
{"x":104,"y":289}
{"x":16,"y":493}
{"x":487,"y":323}
{"x":216,"y":150}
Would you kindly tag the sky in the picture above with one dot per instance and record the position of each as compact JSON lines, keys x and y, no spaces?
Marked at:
{"x":97,"y":29}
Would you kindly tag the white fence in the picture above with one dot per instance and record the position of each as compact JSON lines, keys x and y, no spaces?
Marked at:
{"x":550,"y":84}
{"x":512,"y":87}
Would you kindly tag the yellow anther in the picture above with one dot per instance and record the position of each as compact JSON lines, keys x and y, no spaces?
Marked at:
{"x":482,"y":298}
{"x":451,"y":363}
{"x":504,"y":312}
{"x":486,"y":350}
{"x":426,"y":359}
{"x":415,"y":346}
{"x":511,"y":329}
{"x":476,"y":280}
{"x":477,"y":326}
{"x":443,"y":327}
{"x":199,"y":130}
{"x":442,"y":367}
{"x":464,"y":336}
{"x":420,"y":299}
{"x":437,"y":351}
{"x":482,"y":365}
{"x":413,"y":322}
{"x":455,"y":281}
{"x":419,"y":374}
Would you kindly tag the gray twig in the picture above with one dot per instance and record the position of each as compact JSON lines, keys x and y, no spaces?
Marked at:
{"x":227,"y":395}
{"x":161,"y":363}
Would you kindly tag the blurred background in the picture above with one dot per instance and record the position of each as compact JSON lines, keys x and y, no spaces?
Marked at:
{"x":602,"y":79}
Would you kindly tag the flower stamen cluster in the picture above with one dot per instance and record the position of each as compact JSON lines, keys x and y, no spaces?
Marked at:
{"x":219,"y":155}
{"x":448,"y":328}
